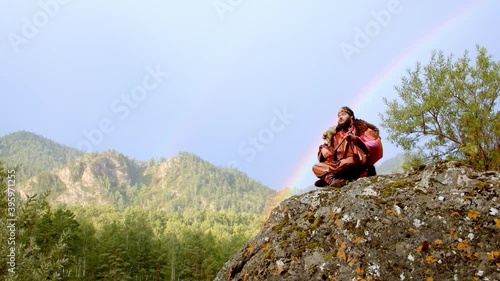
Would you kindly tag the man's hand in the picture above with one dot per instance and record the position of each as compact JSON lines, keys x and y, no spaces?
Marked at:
{"x":326,"y":152}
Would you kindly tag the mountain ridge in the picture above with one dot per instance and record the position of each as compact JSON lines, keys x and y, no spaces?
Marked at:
{"x":183,"y":182}
{"x":112,"y":178}
{"x":33,"y":153}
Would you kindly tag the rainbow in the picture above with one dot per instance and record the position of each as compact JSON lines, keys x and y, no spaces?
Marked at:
{"x":302,"y":173}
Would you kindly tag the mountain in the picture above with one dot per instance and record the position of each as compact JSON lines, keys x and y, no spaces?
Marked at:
{"x":101,"y":214}
{"x":94,"y":178}
{"x":438,"y":223}
{"x":34,"y":153}
{"x":184,"y":182}
{"x":391,"y":165}
{"x":189,"y":181}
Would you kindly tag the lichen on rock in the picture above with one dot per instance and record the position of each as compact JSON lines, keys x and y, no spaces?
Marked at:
{"x":440,"y":223}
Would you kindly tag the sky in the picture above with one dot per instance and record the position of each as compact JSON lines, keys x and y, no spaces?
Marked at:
{"x":248,"y":84}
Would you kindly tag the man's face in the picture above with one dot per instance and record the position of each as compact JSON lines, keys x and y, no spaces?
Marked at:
{"x":344,"y":119}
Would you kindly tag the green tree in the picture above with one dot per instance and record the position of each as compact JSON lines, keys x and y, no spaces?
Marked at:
{"x":449,"y":109}
{"x":113,"y":253}
{"x":35,"y":256}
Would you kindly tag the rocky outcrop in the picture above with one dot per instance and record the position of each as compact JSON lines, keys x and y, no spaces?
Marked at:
{"x":86,"y":180}
{"x":439,"y":223}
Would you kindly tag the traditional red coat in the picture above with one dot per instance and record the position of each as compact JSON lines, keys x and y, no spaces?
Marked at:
{"x":369,"y":149}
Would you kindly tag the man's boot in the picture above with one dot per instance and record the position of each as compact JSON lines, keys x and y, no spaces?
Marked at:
{"x":324,"y":181}
{"x":338,"y":183}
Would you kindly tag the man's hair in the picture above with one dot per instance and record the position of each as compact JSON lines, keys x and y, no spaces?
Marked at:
{"x":348,"y":111}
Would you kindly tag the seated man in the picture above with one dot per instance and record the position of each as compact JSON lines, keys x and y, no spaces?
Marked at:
{"x":349,"y":152}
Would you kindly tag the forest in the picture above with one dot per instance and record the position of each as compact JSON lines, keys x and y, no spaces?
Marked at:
{"x":108,"y":243}
{"x":177,"y":219}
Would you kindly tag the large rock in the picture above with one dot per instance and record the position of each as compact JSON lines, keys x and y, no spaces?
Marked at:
{"x":439,"y":223}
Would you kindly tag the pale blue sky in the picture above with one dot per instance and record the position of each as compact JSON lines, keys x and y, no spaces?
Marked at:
{"x":70,"y":67}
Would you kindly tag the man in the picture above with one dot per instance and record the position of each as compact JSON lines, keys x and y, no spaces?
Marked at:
{"x":349,"y":151}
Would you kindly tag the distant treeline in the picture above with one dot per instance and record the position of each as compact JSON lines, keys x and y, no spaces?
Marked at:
{"x":106,"y":243}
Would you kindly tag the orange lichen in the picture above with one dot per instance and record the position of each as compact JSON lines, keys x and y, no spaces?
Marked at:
{"x":430,"y":259}
{"x":473,"y":214}
{"x":251,"y":247}
{"x":493,"y":255}
{"x":419,"y":249}
{"x":358,"y":239}
{"x":463,"y":246}
{"x":341,"y":254}
{"x":497,"y":222}
{"x":359,"y":270}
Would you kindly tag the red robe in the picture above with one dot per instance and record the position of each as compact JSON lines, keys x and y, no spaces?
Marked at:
{"x":354,"y":151}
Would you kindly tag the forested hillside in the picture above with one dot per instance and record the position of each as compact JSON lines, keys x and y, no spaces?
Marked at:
{"x":181,"y":183}
{"x":107,"y":243}
{"x":34,"y":153}
{"x":105,"y":216}
{"x":391,"y":165}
